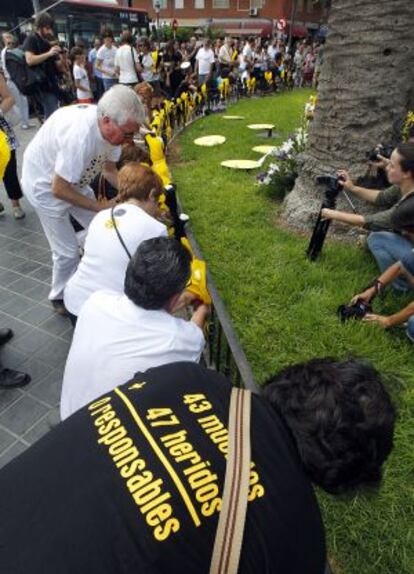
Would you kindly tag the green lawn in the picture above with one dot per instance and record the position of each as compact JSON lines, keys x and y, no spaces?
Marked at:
{"x":283,"y":309}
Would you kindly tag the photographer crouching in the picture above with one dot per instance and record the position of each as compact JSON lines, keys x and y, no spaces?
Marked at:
{"x":386,"y":241}
{"x":402,"y":269}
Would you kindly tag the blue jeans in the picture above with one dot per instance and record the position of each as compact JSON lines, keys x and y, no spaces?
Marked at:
{"x":109,"y":82}
{"x":410,"y":328}
{"x":388,"y":248}
{"x":50,"y":103}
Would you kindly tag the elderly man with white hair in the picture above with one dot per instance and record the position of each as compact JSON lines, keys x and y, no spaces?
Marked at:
{"x":71,"y":148}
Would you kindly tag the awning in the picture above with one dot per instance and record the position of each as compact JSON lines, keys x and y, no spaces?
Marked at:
{"x":243,"y":31}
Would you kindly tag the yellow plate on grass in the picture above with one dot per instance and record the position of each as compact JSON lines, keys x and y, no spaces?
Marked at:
{"x":264,"y":148}
{"x":261,"y":126}
{"x":241,"y":164}
{"x":233,"y":117}
{"x":209,"y":141}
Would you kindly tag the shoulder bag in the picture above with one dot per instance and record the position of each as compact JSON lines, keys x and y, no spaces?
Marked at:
{"x":229,"y":534}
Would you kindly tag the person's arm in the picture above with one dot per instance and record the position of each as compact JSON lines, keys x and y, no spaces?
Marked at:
{"x":362,"y":192}
{"x":6,"y":98}
{"x":36,"y":59}
{"x":392,"y":320}
{"x":110,"y":173}
{"x":64,"y":190}
{"x":200,"y":315}
{"x":380,"y":284}
{"x":343,"y":217}
{"x":98,"y":65}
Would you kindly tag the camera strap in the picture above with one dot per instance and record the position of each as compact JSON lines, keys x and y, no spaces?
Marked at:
{"x":119,"y":234}
{"x":230,"y":528}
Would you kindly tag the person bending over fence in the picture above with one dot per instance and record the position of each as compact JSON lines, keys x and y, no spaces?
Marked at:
{"x":117,"y":333}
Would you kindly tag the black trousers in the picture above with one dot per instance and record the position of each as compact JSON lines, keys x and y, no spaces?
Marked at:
{"x":10,"y":179}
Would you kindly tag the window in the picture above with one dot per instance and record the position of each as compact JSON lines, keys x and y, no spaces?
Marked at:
{"x":199,"y":4}
{"x":162,"y":3}
{"x":221,"y":3}
{"x":256,"y":4}
{"x":179,"y":4}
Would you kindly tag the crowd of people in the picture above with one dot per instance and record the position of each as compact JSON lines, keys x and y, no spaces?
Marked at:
{"x":131,"y":480}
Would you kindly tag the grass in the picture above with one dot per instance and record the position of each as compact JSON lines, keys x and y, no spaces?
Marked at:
{"x":283,"y":309}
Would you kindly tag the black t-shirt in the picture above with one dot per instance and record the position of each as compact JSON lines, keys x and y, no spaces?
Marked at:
{"x":132,"y":484}
{"x":37,"y":45}
{"x":176,"y":76}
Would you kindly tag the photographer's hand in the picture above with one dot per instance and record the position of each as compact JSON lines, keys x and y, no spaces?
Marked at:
{"x":381,"y":320}
{"x":381,"y":163}
{"x":366,"y":295}
{"x":345,"y":180}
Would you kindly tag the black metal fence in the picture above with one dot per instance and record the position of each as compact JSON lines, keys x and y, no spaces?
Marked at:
{"x":223,"y":350}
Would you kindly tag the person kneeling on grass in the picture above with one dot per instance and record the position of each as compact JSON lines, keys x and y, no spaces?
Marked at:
{"x":117,"y":333}
{"x":403,"y":268}
{"x":133,"y":483}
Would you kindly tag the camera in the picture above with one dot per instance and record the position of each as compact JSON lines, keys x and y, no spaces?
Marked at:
{"x":332,"y":184}
{"x":384,"y":150}
{"x":356,"y":311}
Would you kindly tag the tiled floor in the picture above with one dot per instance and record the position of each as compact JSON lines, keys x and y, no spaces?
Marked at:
{"x":41,"y":338}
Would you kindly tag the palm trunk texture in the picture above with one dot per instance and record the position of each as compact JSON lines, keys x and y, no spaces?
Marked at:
{"x":366,"y":88}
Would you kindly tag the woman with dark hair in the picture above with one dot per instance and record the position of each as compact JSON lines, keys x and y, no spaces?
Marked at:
{"x":114,"y":232}
{"x":10,"y":180}
{"x":143,"y":485}
{"x":386,"y":246}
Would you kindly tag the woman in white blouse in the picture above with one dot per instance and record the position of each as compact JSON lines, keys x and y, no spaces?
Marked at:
{"x":114,"y":235}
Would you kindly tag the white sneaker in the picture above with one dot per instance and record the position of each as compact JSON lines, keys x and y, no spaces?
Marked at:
{"x":18,"y":213}
{"x":27,"y":126}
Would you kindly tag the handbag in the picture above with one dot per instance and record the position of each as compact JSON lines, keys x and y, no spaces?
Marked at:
{"x":230,"y":528}
{"x":139,"y":79}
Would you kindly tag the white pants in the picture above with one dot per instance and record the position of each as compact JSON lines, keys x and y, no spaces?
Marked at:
{"x":64,"y":244}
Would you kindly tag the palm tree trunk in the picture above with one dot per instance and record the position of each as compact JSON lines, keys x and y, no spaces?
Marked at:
{"x":365,"y":89}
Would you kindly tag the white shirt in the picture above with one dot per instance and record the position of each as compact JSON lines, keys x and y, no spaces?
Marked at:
{"x":107,"y":57}
{"x":272,"y":51}
{"x":114,"y":339}
{"x":125,"y":59}
{"x":204,"y":58}
{"x":247,"y":52}
{"x":104,"y":262}
{"x":80,"y":74}
{"x":225,"y":54}
{"x":147,"y":64}
{"x":71,"y":145}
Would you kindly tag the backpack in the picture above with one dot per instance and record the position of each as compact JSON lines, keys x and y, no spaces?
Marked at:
{"x":28,"y":79}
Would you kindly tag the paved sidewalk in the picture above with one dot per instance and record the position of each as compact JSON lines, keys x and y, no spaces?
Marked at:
{"x":41,"y":338}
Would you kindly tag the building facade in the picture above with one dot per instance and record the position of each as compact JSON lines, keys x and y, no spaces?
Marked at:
{"x":238,"y":17}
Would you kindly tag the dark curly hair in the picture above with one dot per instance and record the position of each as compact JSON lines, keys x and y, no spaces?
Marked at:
{"x":341,"y":418}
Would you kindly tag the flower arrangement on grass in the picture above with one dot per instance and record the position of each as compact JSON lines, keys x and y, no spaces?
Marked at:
{"x":280,"y":176}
